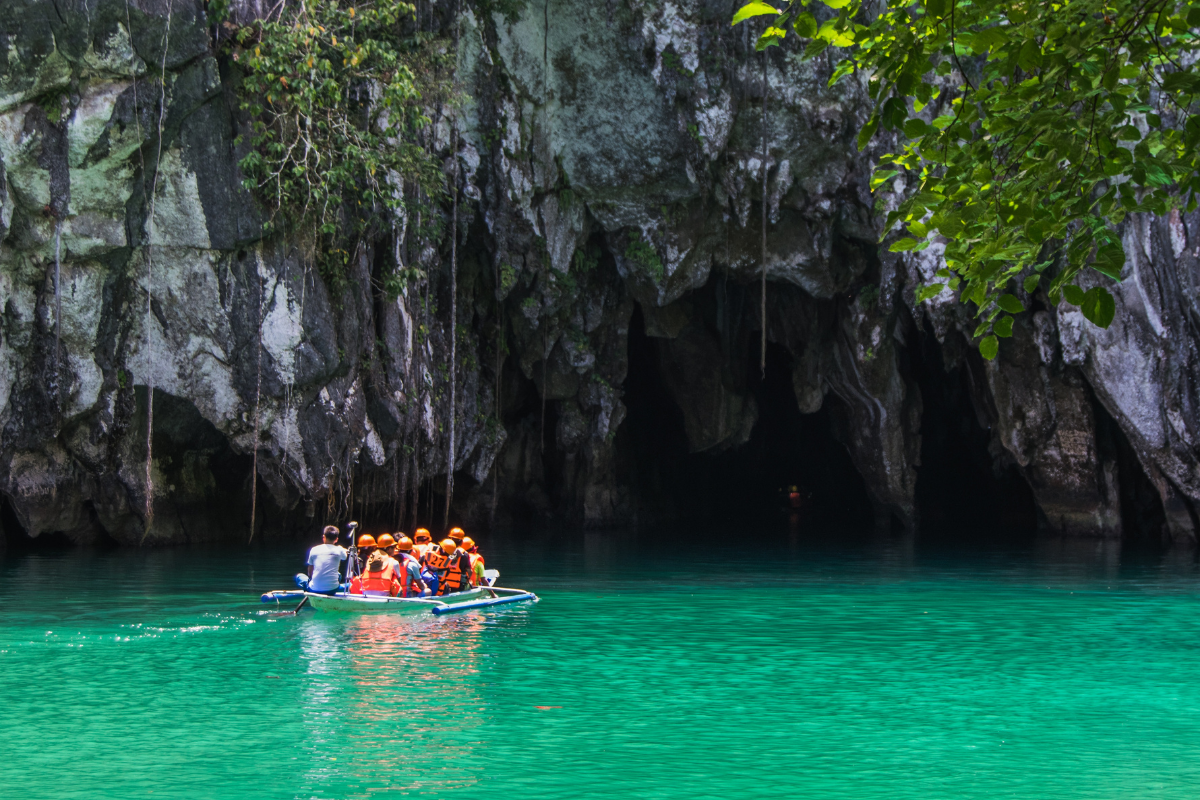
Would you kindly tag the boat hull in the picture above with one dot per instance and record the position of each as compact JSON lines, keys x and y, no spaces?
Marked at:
{"x":360,"y":604}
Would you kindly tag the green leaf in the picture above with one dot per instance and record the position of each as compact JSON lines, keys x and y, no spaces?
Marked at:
{"x":1010,"y":304}
{"x":915,"y":128}
{"x":1031,"y":282}
{"x":932,"y":290}
{"x":836,"y":4}
{"x":1098,"y":307}
{"x":770,"y":37}
{"x":1003,"y":327}
{"x":754,"y":9}
{"x":1110,"y":259}
{"x":989,"y":347}
{"x":1073,"y":294}
{"x":868,"y":130}
{"x":805,"y":25}
{"x":903,"y":245}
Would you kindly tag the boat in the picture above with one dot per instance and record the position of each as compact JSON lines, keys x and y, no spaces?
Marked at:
{"x":475,"y":597}
{"x":479,"y":597}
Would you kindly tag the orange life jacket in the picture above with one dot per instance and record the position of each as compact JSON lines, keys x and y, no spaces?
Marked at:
{"x":419,"y":551}
{"x":435,"y":560}
{"x":381,"y":581}
{"x":413,"y":589}
{"x":476,"y":559}
{"x":456,"y":574}
{"x":356,"y":585}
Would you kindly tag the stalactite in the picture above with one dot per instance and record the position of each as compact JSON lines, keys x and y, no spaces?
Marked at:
{"x":150,"y":232}
{"x":545,"y":379}
{"x":496,"y":398}
{"x":415,"y":477}
{"x":57,"y":306}
{"x":400,"y":470}
{"x":762,"y":362}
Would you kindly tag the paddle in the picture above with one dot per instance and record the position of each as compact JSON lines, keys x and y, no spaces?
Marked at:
{"x":293,"y":612}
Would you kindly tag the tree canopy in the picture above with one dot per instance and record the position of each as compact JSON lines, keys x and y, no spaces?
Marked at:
{"x":1027,"y":132}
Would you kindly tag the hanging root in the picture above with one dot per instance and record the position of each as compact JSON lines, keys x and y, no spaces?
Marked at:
{"x":162,"y":110}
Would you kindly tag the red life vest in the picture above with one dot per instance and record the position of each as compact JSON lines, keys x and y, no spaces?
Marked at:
{"x":381,"y":581}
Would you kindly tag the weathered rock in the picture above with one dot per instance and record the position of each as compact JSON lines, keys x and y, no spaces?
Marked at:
{"x":611,"y":157}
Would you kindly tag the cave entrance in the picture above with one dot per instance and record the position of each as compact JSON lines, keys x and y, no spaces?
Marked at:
{"x":740,"y":484}
{"x":963,"y":490}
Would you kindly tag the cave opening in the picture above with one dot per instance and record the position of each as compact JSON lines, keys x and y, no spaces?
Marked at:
{"x":1143,"y":518}
{"x":965,"y":485}
{"x":746,"y":483}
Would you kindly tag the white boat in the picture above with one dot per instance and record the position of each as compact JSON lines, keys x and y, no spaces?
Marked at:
{"x":479,"y":597}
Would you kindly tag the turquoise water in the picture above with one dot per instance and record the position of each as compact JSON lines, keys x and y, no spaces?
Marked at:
{"x":881,"y":670}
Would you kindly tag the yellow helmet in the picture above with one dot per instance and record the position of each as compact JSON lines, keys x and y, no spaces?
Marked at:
{"x":385,"y":541}
{"x":448,"y":546}
{"x":404,"y":543}
{"x":468,"y":543}
{"x":422,"y":535}
{"x":457,"y":533}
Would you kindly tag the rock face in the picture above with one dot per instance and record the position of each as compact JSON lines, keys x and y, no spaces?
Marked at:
{"x":611,"y":166}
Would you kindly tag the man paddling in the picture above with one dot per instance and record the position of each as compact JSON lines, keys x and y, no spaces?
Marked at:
{"x":324,"y":561}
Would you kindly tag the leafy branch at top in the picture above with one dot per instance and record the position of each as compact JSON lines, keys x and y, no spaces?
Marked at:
{"x":1075,"y":114}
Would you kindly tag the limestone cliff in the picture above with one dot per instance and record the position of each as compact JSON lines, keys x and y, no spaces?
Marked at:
{"x":610,"y":166}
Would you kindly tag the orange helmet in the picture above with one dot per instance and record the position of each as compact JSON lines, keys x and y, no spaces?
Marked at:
{"x":385,"y":540}
{"x":457,"y":533}
{"x":468,"y":543}
{"x":422,"y":535}
{"x":404,"y":543}
{"x":366,"y":540}
{"x":448,"y":546}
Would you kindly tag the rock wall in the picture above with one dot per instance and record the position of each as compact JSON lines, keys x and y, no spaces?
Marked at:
{"x":611,"y":159}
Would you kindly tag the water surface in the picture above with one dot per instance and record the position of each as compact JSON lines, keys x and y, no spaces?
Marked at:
{"x":878,"y":670}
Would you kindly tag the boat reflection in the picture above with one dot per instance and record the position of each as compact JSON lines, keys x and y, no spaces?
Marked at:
{"x":407,"y":703}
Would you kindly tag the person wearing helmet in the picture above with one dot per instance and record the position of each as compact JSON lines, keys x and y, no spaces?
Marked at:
{"x":324,"y":561}
{"x":422,"y":543}
{"x":454,"y":572}
{"x":412,"y":584}
{"x":366,"y":546}
{"x":379,"y":577}
{"x":472,"y":551}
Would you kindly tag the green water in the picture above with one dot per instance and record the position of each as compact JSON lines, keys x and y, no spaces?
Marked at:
{"x":820,"y":671}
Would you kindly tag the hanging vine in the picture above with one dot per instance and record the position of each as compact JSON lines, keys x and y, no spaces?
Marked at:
{"x":150,"y":234}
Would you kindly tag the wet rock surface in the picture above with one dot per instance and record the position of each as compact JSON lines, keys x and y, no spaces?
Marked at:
{"x":611,"y":166}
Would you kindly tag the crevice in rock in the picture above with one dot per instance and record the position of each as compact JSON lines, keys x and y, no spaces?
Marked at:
{"x":1143,"y":520}
{"x":966,"y":484}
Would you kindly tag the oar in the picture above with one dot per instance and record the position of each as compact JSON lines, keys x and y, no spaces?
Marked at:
{"x":293,"y":612}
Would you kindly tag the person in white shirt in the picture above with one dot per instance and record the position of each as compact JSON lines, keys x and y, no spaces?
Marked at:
{"x":324,"y":561}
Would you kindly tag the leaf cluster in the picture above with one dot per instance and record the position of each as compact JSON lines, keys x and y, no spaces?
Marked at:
{"x":337,"y":93}
{"x":1028,"y":132}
